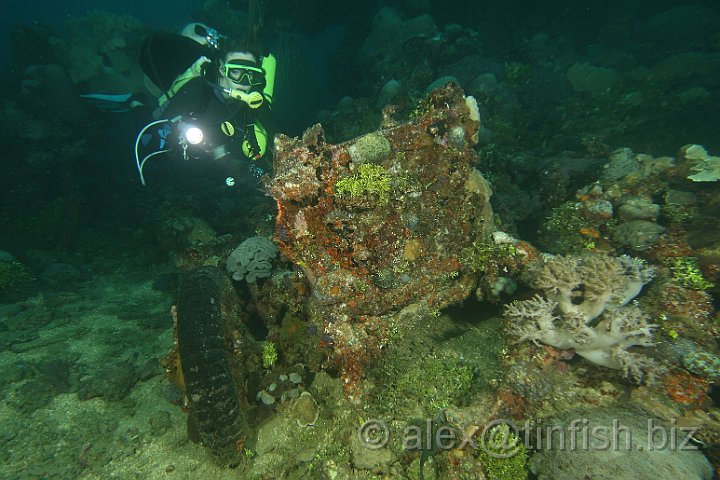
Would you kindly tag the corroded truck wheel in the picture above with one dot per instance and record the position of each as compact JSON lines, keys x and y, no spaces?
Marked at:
{"x":216,"y":418}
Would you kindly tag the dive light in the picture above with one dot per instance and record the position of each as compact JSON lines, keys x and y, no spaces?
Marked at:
{"x":190,"y":135}
{"x":193,"y":135}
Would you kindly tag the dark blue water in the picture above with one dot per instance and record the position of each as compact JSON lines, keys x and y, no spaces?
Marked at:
{"x":55,"y":13}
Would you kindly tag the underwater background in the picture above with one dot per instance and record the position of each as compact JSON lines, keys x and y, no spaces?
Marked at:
{"x":486,"y":246}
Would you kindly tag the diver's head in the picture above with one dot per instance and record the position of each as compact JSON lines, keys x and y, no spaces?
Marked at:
{"x":240,"y":70}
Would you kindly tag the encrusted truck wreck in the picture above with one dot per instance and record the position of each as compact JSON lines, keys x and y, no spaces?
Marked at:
{"x":378,"y":223}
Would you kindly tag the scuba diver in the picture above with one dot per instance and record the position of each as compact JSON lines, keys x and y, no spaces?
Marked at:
{"x":213,"y":98}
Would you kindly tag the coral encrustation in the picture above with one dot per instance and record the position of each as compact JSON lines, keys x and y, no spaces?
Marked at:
{"x":378,"y":223}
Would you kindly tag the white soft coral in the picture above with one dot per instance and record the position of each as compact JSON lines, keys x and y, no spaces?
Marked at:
{"x":586,"y":309}
{"x":587,"y":285}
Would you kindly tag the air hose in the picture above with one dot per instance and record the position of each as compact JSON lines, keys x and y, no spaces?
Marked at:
{"x":141,"y":164}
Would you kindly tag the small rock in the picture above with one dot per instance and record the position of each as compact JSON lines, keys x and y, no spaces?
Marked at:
{"x":265,"y":398}
{"x":113,"y":382}
{"x":305,"y":410}
{"x":151,"y":368}
{"x":364,"y":458}
{"x":638,"y":208}
{"x":679,"y":197}
{"x":638,"y":235}
{"x":160,"y":422}
{"x":292,"y":393}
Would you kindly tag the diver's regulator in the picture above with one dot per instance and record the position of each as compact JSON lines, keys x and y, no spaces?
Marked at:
{"x":253,"y":99}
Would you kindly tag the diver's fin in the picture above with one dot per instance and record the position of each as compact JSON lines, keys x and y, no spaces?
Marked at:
{"x":119,"y":103}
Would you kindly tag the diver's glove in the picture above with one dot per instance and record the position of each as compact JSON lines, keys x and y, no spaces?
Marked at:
{"x":158,"y":139}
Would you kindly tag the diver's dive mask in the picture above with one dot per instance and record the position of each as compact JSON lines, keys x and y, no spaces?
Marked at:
{"x":240,"y":72}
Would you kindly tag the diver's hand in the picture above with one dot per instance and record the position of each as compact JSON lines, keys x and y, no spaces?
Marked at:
{"x":135,"y":100}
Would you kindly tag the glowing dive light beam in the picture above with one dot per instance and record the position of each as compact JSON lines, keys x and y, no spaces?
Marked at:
{"x":193,"y":135}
